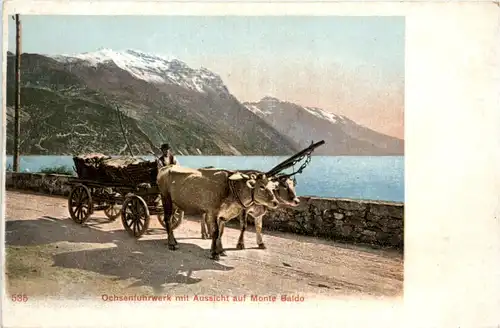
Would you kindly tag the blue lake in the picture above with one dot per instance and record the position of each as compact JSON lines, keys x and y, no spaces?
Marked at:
{"x":355,"y":177}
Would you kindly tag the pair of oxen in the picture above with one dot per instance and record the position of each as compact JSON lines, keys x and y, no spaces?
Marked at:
{"x":220,"y":195}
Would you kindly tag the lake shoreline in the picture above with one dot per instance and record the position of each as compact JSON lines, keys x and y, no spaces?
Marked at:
{"x":378,"y":178}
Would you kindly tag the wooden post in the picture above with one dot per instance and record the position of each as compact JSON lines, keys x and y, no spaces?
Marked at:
{"x":17,"y":100}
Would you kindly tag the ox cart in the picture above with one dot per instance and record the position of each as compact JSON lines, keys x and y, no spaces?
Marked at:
{"x":120,"y":186}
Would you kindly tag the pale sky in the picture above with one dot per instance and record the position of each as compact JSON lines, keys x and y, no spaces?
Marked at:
{"x":347,"y":65}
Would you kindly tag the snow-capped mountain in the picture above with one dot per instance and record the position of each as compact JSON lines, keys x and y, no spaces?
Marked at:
{"x":271,"y":105}
{"x":342,"y":135}
{"x":165,"y":100}
{"x":152,"y":68}
{"x":71,"y":103}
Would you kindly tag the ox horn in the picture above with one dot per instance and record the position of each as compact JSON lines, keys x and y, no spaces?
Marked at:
{"x":236,"y":176}
{"x":251,"y":183}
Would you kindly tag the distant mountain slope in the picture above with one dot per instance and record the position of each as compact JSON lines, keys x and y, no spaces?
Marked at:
{"x":67,"y":107}
{"x":342,"y":135}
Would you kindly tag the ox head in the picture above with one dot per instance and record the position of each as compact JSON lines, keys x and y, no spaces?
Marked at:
{"x":261,"y":188}
{"x":285,"y":191}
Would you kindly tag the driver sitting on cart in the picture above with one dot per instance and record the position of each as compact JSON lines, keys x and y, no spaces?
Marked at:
{"x":167,"y":158}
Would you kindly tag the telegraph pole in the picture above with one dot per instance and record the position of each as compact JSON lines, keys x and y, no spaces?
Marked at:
{"x":17,"y":99}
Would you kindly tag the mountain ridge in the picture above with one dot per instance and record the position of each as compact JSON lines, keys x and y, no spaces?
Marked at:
{"x":193,"y":122}
{"x":162,"y":100}
{"x":342,"y":135}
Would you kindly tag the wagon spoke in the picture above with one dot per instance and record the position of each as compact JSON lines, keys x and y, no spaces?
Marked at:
{"x":79,"y":213}
{"x":76,"y":195}
{"x":132,"y":216}
{"x":127,"y":214}
{"x":129,"y":217}
{"x":134,"y":227}
{"x":129,"y":222}
{"x":138,"y":215}
{"x":75,"y":200}
{"x":80,"y":195}
{"x":137,"y":223}
{"x":84,"y":212}
{"x":140,"y":223}
{"x":138,"y":208}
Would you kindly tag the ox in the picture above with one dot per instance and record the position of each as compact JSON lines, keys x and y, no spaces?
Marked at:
{"x":285,"y":194}
{"x":217,"y":193}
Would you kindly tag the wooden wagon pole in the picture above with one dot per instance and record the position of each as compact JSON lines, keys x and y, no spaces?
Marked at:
{"x":123,"y":130}
{"x":289,"y":162}
{"x":17,"y":98}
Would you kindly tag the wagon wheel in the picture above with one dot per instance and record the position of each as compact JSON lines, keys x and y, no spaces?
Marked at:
{"x":177,"y":218}
{"x":135,"y":215}
{"x":80,"y":203}
{"x":112,"y":212}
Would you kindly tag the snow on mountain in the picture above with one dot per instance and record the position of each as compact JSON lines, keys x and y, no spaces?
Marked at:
{"x":269,"y":105}
{"x":258,"y":111}
{"x":304,"y":124}
{"x":152,"y":68}
{"x":318,"y":112}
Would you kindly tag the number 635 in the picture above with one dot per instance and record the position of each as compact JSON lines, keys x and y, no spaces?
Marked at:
{"x":19,"y":298}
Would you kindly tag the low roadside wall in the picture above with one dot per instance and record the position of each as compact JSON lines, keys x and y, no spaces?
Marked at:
{"x":53,"y":184}
{"x":354,"y":221}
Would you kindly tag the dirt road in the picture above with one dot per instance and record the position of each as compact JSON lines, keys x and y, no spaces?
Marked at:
{"x":48,"y":255}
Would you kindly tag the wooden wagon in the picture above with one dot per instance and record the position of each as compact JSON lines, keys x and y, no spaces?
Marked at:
{"x":120,"y":186}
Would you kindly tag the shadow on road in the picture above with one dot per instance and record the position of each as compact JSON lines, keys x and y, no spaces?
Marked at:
{"x":47,"y":230}
{"x":149,"y":262}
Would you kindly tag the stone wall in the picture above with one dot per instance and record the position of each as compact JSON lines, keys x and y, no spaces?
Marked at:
{"x":53,"y":184}
{"x":353,"y":221}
